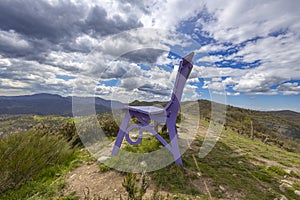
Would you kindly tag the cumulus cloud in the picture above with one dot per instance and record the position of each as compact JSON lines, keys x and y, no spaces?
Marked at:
{"x":289,"y":88}
{"x":237,"y":21}
{"x":147,"y":56}
{"x":265,"y":33}
{"x":250,"y":48}
{"x":55,"y":25}
{"x":10,"y":40}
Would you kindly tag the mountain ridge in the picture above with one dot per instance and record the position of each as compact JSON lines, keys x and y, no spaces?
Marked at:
{"x":105,"y":102}
{"x":47,"y":104}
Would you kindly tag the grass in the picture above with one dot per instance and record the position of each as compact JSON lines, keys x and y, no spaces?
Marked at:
{"x":33,"y":164}
{"x":49,"y":182}
{"x":260,"y":180}
{"x":147,"y":145}
{"x":237,"y":163}
{"x":276,"y":170}
{"x":223,"y":166}
{"x":104,"y":168}
{"x":255,"y":148}
{"x":173,"y":178}
{"x":24,"y":155}
{"x":36,"y":165}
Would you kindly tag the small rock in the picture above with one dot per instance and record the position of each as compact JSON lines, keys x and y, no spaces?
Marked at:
{"x":199,"y":174}
{"x":234,"y":174}
{"x":73,"y":176}
{"x":103,"y":158}
{"x":283,"y":197}
{"x":297,"y":192}
{"x":222,"y":188}
{"x":288,"y":171}
{"x":90,"y":163}
{"x":240,"y":162}
{"x":143,"y":164}
{"x":115,"y":190}
{"x":287,"y":182}
{"x":284,"y":186}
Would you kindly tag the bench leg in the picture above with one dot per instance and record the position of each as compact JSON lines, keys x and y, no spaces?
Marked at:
{"x":174,"y":144}
{"x":121,"y":134}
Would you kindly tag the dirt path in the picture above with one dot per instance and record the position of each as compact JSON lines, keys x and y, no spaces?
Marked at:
{"x":88,"y":181}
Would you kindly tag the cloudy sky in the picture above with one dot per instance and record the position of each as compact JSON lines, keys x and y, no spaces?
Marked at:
{"x":130,"y":49}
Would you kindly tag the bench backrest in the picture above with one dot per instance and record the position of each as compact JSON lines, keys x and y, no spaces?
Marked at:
{"x":184,"y":70}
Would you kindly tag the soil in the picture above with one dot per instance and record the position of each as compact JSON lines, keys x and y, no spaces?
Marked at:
{"x":89,"y":183}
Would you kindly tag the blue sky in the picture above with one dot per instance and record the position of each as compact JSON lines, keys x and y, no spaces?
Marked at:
{"x":126,"y":50}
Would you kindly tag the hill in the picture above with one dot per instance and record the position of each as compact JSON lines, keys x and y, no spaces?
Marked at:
{"x":278,"y":127}
{"x":46,"y":104}
{"x":281,"y":128}
{"x":237,"y":167}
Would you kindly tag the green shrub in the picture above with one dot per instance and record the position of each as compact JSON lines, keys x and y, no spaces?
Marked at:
{"x":108,"y":125}
{"x":23,"y":156}
{"x":104,"y":168}
{"x":134,"y":191}
{"x":147,"y":145}
{"x":68,"y":130}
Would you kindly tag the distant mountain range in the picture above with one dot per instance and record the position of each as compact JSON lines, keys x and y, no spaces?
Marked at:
{"x":48,"y":104}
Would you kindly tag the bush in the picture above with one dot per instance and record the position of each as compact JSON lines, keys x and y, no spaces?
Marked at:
{"x":108,"y":125}
{"x":23,"y":156}
{"x":68,"y":131}
{"x":134,"y":191}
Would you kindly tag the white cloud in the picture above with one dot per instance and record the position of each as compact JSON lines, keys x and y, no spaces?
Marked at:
{"x":259,"y":80}
{"x":225,"y":93}
{"x":11,"y":39}
{"x":4,"y":62}
{"x":211,"y":48}
{"x":277,"y":25}
{"x":168,"y":14}
{"x":212,"y":59}
{"x":229,"y":81}
{"x":189,"y":93}
{"x":214,"y":85}
{"x":211,"y":72}
{"x":239,"y":20}
{"x":231,"y":21}
{"x":85,"y":42}
{"x":289,"y":88}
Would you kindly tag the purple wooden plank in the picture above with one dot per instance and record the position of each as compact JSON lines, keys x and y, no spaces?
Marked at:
{"x":147,"y":109}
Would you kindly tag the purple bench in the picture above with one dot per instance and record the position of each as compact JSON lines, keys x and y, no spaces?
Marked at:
{"x":166,"y":115}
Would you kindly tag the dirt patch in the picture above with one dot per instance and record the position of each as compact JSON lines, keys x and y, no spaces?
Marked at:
{"x":88,"y":181}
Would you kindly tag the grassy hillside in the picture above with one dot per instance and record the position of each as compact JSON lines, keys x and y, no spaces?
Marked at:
{"x":42,"y":158}
{"x":281,"y":128}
